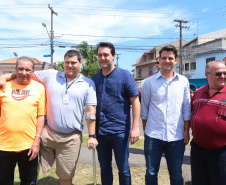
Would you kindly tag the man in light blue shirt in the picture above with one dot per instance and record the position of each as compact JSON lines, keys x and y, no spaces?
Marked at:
{"x":165,"y":113}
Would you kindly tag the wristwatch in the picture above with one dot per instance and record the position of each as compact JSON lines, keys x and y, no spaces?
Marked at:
{"x":93,"y":135}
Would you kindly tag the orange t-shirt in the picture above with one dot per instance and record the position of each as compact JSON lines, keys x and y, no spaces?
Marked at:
{"x":19,"y":107}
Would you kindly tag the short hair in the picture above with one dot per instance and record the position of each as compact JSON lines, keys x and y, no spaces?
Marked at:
{"x":26,"y":59}
{"x":224,"y":58}
{"x":169,"y":47}
{"x":107,"y":44}
{"x":208,"y":65}
{"x":72,"y":53}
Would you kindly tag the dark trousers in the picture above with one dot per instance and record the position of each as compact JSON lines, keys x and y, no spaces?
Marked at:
{"x":28,"y":169}
{"x":119,"y":144}
{"x":208,"y":166}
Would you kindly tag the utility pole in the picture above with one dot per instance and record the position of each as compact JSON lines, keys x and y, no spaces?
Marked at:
{"x":117,"y":58}
{"x":51,"y":38}
{"x":180,"y":50}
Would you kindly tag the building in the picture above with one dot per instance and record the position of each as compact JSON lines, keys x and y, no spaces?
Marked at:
{"x":199,"y":51}
{"x":8,"y":66}
{"x":145,"y":65}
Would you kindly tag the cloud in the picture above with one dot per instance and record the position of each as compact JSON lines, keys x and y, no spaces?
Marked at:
{"x":22,"y":24}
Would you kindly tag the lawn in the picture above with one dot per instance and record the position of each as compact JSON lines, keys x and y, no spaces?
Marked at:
{"x":84,"y":173}
{"x":84,"y":176}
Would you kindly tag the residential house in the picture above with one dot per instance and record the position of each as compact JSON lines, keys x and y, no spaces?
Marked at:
{"x":8,"y":66}
{"x":145,"y":65}
{"x":199,"y":51}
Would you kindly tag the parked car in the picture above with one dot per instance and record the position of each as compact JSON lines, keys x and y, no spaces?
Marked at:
{"x":192,"y":89}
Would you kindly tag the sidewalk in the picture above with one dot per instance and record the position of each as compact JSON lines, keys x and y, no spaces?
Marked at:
{"x":137,"y":159}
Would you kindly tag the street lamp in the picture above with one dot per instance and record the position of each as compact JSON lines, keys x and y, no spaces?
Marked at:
{"x":51,"y":43}
{"x":44,"y":25}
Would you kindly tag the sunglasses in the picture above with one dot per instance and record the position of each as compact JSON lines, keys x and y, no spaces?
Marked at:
{"x":156,"y":62}
{"x":218,"y":74}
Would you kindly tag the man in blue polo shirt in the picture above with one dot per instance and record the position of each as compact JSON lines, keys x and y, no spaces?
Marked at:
{"x":116,"y":90}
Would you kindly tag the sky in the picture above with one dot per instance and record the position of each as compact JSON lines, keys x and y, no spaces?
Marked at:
{"x":133,"y":26}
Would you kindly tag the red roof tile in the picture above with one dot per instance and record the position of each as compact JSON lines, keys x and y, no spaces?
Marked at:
{"x":13,"y":60}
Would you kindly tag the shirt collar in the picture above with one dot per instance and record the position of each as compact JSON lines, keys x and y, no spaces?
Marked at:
{"x":159,"y":74}
{"x":116,"y":68}
{"x":62,"y":75}
{"x":206,"y":89}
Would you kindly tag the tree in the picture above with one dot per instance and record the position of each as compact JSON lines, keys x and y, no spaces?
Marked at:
{"x":89,"y":60}
{"x":89,"y":57}
{"x":59,"y":66}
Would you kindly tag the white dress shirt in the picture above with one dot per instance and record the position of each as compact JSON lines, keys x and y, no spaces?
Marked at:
{"x":165,"y":105}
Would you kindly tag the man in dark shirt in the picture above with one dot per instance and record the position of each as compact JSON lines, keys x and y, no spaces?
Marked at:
{"x":116,"y":90}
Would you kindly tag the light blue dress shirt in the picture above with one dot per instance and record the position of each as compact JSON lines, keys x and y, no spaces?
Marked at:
{"x":165,"y":105}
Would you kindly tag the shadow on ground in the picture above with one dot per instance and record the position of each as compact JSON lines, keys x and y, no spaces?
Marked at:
{"x":48,"y":180}
{"x":141,"y":151}
{"x":188,"y":183}
{"x":186,"y":160}
{"x":136,"y":151}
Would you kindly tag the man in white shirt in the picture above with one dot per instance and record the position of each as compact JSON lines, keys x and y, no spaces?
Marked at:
{"x":165,"y":113}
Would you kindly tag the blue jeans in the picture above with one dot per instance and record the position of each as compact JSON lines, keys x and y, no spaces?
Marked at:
{"x":174,"y":153}
{"x":119,"y":143}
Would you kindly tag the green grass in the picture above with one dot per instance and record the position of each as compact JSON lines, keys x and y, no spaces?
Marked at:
{"x":84,"y":173}
{"x":84,"y":176}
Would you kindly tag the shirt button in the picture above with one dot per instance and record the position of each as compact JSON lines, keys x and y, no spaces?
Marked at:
{"x":103,"y":94}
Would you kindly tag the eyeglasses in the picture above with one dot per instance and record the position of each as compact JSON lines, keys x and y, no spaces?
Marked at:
{"x":156,"y":62}
{"x":218,"y":74}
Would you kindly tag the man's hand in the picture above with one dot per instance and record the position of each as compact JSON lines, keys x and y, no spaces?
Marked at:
{"x":34,"y":150}
{"x":186,"y":137}
{"x":2,"y":82}
{"x":134,"y":135}
{"x":92,"y":141}
{"x":6,"y":77}
{"x":186,"y":132}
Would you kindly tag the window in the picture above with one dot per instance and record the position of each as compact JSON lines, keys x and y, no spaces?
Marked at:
{"x":186,"y":67}
{"x":139,"y":73}
{"x":192,"y":65}
{"x":210,"y":59}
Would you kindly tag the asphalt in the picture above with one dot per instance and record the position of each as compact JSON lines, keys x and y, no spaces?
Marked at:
{"x":137,"y":158}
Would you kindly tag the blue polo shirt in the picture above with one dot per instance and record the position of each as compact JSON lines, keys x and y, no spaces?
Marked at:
{"x":113,"y":101}
{"x":66,"y":118}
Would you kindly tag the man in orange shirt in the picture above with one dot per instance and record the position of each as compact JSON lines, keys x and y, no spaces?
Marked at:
{"x":22,"y":108}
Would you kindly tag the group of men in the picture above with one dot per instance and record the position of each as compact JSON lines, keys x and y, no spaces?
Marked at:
{"x":165,"y":112}
{"x":68,"y":95}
